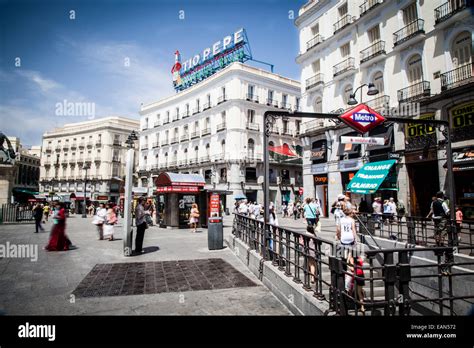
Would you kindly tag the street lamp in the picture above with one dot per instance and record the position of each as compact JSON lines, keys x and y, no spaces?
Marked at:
{"x":85,"y":167}
{"x":130,"y":161}
{"x":372,"y":91}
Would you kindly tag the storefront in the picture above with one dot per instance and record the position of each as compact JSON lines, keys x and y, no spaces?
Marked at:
{"x":370,"y":177}
{"x":175,"y":195}
{"x":463,"y":168}
{"x":421,"y":160}
{"x":319,"y":169}
{"x":321,"y":191}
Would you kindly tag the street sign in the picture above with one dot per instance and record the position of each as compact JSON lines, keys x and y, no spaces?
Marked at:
{"x":362,"y":118}
{"x":361,"y":140}
{"x":393,"y":155}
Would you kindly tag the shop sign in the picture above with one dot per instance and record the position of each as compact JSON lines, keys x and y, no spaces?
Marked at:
{"x":462,"y":118}
{"x":319,"y":168}
{"x":419,"y":130}
{"x":320,"y":179}
{"x":102,"y":198}
{"x":362,"y":140}
{"x":362,"y":118}
{"x":214,"y":205}
{"x":177,"y":189}
{"x":231,"y":48}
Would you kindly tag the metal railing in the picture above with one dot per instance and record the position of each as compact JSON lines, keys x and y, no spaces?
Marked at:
{"x":185,"y":114}
{"x":206,"y":106}
{"x":314,"y":81}
{"x":379,"y":103}
{"x":204,"y":159}
{"x":314,"y":42}
{"x":409,"y":31}
{"x":345,"y":65}
{"x":195,"y":134}
{"x":221,"y":126}
{"x":457,"y":77}
{"x":196,"y":111}
{"x":156,"y":124}
{"x":184,"y":137}
{"x":286,"y":106}
{"x":449,"y":9}
{"x":414,"y":92}
{"x":165,"y":142}
{"x":206,"y":131}
{"x":252,"y":97}
{"x":372,"y":51}
{"x":272,"y":102}
{"x":16,"y":213}
{"x":221,"y":99}
{"x":166,"y":120}
{"x":155,"y":145}
{"x":368,"y":5}
{"x":253,"y":126}
{"x":174,"y":140}
{"x":342,"y":23}
{"x":390,"y":282}
{"x":175,"y":117}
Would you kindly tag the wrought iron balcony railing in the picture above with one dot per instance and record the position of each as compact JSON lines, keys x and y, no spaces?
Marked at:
{"x":457,"y":77}
{"x":221,"y":127}
{"x":449,"y":9}
{"x":372,"y":51}
{"x":173,"y":140}
{"x":165,"y":142}
{"x":368,"y":5}
{"x":184,"y":137}
{"x":195,"y":134}
{"x":252,"y":97}
{"x":185,"y":114}
{"x":272,"y":102}
{"x":253,"y":126}
{"x":196,"y":111}
{"x":342,"y":23}
{"x":344,"y":66}
{"x":414,"y":92}
{"x":166,"y":120}
{"x":155,"y":145}
{"x":172,"y":164}
{"x":156,"y":124}
{"x":314,"y":81}
{"x":406,"y":33}
{"x":206,"y":131}
{"x":286,"y":106}
{"x":379,"y":102}
{"x":221,"y":99}
{"x":175,"y":117}
{"x":314,"y":42}
{"x":204,"y":159}
{"x":206,"y":106}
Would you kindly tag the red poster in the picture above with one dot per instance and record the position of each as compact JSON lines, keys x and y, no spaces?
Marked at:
{"x":214,"y":205}
{"x":301,"y":191}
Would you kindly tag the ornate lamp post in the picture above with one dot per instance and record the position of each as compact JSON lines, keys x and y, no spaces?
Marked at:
{"x":130,"y":161}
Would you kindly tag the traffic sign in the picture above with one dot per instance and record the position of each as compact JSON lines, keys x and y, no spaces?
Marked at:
{"x":362,"y":118}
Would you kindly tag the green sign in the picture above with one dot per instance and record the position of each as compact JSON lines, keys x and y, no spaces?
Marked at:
{"x":368,"y":179}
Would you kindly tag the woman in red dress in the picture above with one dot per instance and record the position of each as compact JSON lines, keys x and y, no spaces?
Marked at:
{"x":58,"y":241}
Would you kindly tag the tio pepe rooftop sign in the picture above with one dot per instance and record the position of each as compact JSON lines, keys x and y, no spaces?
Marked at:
{"x":362,"y":118}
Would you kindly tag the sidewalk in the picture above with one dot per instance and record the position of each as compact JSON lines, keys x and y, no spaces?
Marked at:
{"x":44,"y":287}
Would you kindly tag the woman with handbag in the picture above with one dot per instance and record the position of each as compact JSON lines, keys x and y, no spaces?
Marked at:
{"x":194,"y":217}
{"x":110,"y":221}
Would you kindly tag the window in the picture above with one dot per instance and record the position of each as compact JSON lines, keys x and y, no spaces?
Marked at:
{"x":415,"y":70}
{"x":250,"y":116}
{"x":187,"y":109}
{"x":208,"y":175}
{"x":251,"y":148}
{"x":318,"y":106}
{"x":315,"y":29}
{"x":223,"y":175}
{"x":197,"y":104}
{"x":374,"y":34}
{"x":177,"y":112}
{"x":285,"y":126}
{"x":167,"y":136}
{"x":223,"y":117}
{"x":270,"y":95}
{"x":461,"y":51}
{"x":185,"y":130}
{"x":345,"y":50}
{"x":209,"y":99}
{"x":208,"y":150}
{"x":410,"y":14}
{"x":284,"y":100}
{"x":297,"y":105}
{"x":316,"y":66}
{"x":223,"y":147}
{"x":223,"y":91}
{"x":145,"y":124}
{"x":196,"y":153}
{"x":342,"y":10}
{"x":378,"y":82}
{"x":347,"y":93}
{"x":251,"y":174}
{"x":251,"y":90}
{"x":186,"y":155}
{"x":298,"y":126}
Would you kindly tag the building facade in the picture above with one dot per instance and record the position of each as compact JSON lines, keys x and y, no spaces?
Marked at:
{"x":214,"y":128}
{"x":418,"y":54}
{"x":98,"y":145}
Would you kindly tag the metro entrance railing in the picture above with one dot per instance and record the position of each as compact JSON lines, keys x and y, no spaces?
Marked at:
{"x":400,"y":281}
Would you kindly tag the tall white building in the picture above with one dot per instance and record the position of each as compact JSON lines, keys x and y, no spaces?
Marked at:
{"x":417,"y":52}
{"x":214,"y":128}
{"x":98,"y":144}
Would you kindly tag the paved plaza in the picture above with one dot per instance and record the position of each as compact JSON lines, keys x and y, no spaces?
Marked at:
{"x":46,"y":287}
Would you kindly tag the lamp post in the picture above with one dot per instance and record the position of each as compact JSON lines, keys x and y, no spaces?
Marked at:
{"x":86,"y":168}
{"x":127,"y":241}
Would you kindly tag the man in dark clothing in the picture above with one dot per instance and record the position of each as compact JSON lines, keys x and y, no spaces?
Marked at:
{"x":440,"y":214}
{"x":38,"y":215}
{"x":141,"y":224}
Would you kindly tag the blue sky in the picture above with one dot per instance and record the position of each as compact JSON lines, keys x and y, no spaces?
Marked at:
{"x":83,"y":60}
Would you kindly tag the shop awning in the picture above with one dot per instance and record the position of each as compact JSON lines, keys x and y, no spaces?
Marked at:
{"x":25,"y":191}
{"x":175,"y":179}
{"x":239,"y":196}
{"x":283,"y":150}
{"x":368,"y":179}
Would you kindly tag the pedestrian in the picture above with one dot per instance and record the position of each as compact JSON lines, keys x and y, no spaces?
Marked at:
{"x":273,"y":220}
{"x":284,"y":208}
{"x":346,"y":231}
{"x":386,"y":211}
{"x":58,"y":240}
{"x":149,"y":213}
{"x":194,"y":217}
{"x":339,"y":212}
{"x":251,"y":210}
{"x":46,"y":212}
{"x":310,"y":212}
{"x":141,"y":225}
{"x":459,"y":219}
{"x":393,"y":208}
{"x":400,"y":208}
{"x":440,"y":213}
{"x":110,"y":221}
{"x":363,"y":206}
{"x":99,"y":219}
{"x":243,"y":208}
{"x":356,"y":278}
{"x":377,"y":208}
{"x":290,"y":209}
{"x":256,"y":210}
{"x":296,"y":210}
{"x":348,"y":203}
{"x":38,"y":215}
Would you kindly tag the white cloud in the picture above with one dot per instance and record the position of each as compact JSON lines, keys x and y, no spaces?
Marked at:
{"x":35,"y":77}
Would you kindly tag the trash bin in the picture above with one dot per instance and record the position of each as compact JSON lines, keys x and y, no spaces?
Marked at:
{"x":215,"y":233}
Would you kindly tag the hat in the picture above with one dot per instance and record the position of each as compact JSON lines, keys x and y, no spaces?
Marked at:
{"x":340,"y":197}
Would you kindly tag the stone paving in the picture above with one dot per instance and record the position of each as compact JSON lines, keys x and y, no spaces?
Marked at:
{"x":45,"y":287}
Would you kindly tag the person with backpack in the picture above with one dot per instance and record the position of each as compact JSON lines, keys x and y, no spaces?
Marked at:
{"x":310,"y":212}
{"x":38,"y":215}
{"x":439,"y":215}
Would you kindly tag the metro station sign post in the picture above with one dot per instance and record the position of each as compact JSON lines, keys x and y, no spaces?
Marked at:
{"x":362,"y":119}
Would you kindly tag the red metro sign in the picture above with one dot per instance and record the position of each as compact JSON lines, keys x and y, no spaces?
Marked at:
{"x":362,"y":118}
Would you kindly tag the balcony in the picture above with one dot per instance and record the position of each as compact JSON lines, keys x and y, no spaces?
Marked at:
{"x":314,"y":81}
{"x":172,"y":164}
{"x":143,"y":127}
{"x":72,"y":161}
{"x":166,"y":120}
{"x":314,"y":42}
{"x":285,"y":131}
{"x":144,"y":147}
{"x":272,"y":102}
{"x":379,"y":103}
{"x":184,"y":137}
{"x":252,"y":97}
{"x":155,"y":167}
{"x":448,"y":10}
{"x":89,"y":144}
{"x":116,"y":143}
{"x":97,"y":159}
{"x":457,"y":77}
{"x":185,"y":114}
{"x":115,"y":158}
{"x":206,"y":131}
{"x":88,"y":159}
{"x":342,"y":23}
{"x":196,"y":111}
{"x":254,"y":157}
{"x":313,"y":125}
{"x":195,"y":135}
{"x":253,"y":126}
{"x":221,"y":99}
{"x":80,"y":159}
{"x":204,"y":159}
{"x":370,"y":53}
{"x":369,"y":5}
{"x":58,"y":148}
{"x":414,"y":92}
{"x":285,"y":106}
{"x":48,"y":149}
{"x":175,"y":118}
{"x":403,"y":35}
{"x":81,"y":145}
{"x":221,"y":127}
{"x":165,"y":142}
{"x":182,"y":163}
{"x":193,"y":161}
{"x":47,"y":163}
{"x":206,"y":106}
{"x":156,"y":124}
{"x":173,"y":140}
{"x":345,"y":67}
{"x":155,"y":145}
{"x":98,"y":143}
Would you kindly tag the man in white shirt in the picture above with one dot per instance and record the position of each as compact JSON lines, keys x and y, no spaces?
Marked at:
{"x":251,"y":210}
{"x":243,"y":208}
